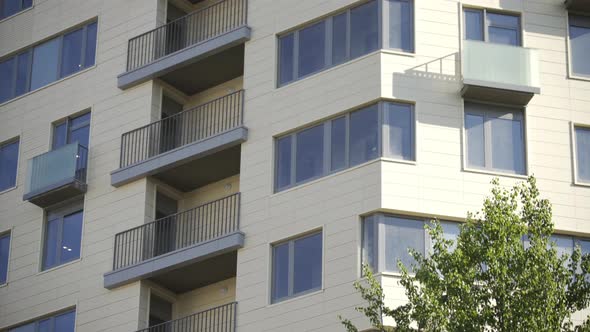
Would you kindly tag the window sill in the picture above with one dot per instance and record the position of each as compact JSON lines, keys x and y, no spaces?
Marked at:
{"x":296,"y":297}
{"x":496,"y":173}
{"x":579,"y":78}
{"x":399,"y":161}
{"x":16,"y":14}
{"x":581,"y":184}
{"x":8,"y":190}
{"x":48,"y":85}
{"x":59,"y":267}
{"x":398,"y":52}
{"x":4,"y":285}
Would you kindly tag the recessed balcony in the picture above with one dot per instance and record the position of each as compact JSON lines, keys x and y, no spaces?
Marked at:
{"x":183,"y":251}
{"x":208,"y":44}
{"x":56,"y":175}
{"x":499,"y":73}
{"x":578,"y":5}
{"x":186,"y":150}
{"x":218,"y":319}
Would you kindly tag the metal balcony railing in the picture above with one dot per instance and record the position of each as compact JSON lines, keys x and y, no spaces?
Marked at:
{"x":194,"y":28}
{"x":186,"y":127}
{"x":218,"y":319}
{"x":200,"y":224}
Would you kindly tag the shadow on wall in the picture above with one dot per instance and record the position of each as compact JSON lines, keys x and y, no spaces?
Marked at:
{"x":447,"y":68}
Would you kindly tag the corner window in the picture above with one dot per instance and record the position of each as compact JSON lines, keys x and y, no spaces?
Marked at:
{"x":63,"y":322}
{"x":73,"y":129}
{"x":8,"y":164}
{"x":494,"y":138}
{"x":4,"y":256}
{"x":579,"y":30}
{"x":11,"y":7}
{"x":296,"y":267}
{"x":47,"y":62}
{"x":345,"y":36}
{"x":344,"y":142}
{"x":63,"y":235}
{"x":493,"y":27}
{"x":582,"y":146}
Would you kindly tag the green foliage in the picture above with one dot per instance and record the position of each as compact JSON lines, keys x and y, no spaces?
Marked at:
{"x":487,"y":280}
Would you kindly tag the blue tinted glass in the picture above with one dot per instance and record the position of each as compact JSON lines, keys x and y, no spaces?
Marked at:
{"x":284,"y":162}
{"x":45,"y":63}
{"x":507,"y":145}
{"x":71,"y":54}
{"x":80,"y":135}
{"x":280,"y":271}
{"x":60,"y":134}
{"x":401,"y":131}
{"x":508,"y":21}
{"x":8,"y":165}
{"x":307,"y":263}
{"x":503,"y":36}
{"x":65,"y":322}
{"x":401,"y":235}
{"x":286,"y":49}
{"x":338,"y":142}
{"x":364,"y":135}
{"x":339,"y":32}
{"x":24,"y":328}
{"x":364,"y":29}
{"x":90,"y":53}
{"x":370,"y":246}
{"x":44,"y":325}
{"x":583,"y":153}
{"x":27,"y":3}
{"x":50,"y":252}
{"x":312,"y":48}
{"x":309,"y":153}
{"x":474,"y":131}
{"x":22,"y":73}
{"x":401,"y":25}
{"x":7,"y":79}
{"x":580,"y":48}
{"x":9,"y":7}
{"x":71,"y":237}
{"x":4,"y":250}
{"x":473,"y":24}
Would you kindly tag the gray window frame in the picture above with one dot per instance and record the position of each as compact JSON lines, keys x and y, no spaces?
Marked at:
{"x":382,"y":143}
{"x":51,"y":317}
{"x":7,"y":234}
{"x":31,"y":51}
{"x":22,"y":8}
{"x":486,"y":22}
{"x":291,"y":267}
{"x":2,"y":145}
{"x":67,"y":121}
{"x":60,"y":213}
{"x":517,"y":113}
{"x":575,"y":127}
{"x":383,"y":8}
{"x":582,"y":21}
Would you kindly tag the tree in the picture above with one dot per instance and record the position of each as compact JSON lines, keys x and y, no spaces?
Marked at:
{"x":502,"y":273}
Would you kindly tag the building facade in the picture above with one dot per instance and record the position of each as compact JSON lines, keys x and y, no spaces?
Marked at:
{"x":228,"y":165}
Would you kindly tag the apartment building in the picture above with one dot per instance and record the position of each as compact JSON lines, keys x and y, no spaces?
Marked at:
{"x":228,"y":165}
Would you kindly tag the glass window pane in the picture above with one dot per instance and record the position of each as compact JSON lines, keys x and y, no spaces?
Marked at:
{"x":370,"y":247}
{"x":4,"y":250}
{"x":450,"y":232}
{"x":339,"y":28}
{"x":49,"y":252}
{"x":284,"y":162}
{"x":364,"y":135}
{"x":280,"y":274}
{"x":401,"y":131}
{"x":580,"y":48}
{"x":364,"y":29}
{"x":584,"y":246}
{"x":338,"y":144}
{"x":309,"y":153}
{"x":307,"y":263}
{"x":401,"y":25}
{"x":474,"y":132}
{"x":507,"y":145}
{"x":45,"y":63}
{"x":563,"y":244}
{"x":8,"y":165}
{"x":473,"y":24}
{"x":27,"y":3}
{"x":84,"y":120}
{"x":90,"y":53}
{"x":45,"y":325}
{"x":312,"y":48}
{"x":7,"y":79}
{"x":71,"y":237}
{"x":60,"y":135}
{"x":65,"y":322}
{"x":400,"y":235}
{"x":22,"y":73}
{"x":24,"y":328}
{"x":80,"y":135}
{"x":583,"y":153}
{"x":71,"y":55}
{"x":503,"y":36}
{"x":503,"y":20}
{"x":9,"y":7}
{"x":286,"y":57}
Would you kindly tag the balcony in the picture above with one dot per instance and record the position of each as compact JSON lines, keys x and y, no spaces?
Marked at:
{"x":56,"y":175}
{"x":177,"y":149}
{"x":499,"y":73}
{"x":181,"y":252}
{"x":208,"y":43}
{"x":218,"y":319}
{"x":578,"y":5}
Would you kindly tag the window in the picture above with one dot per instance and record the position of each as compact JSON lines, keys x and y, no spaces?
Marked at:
{"x":47,"y":62}
{"x":344,"y":142}
{"x":346,"y":36}
{"x":387,"y":239}
{"x":495,"y":138}
{"x":579,"y":30}
{"x":73,"y":129}
{"x":63,"y":322}
{"x":63,"y":233}
{"x":296,"y":267}
{"x":582,"y":146}
{"x":8,"y":164}
{"x":493,"y":27}
{"x":11,"y":7}
{"x":4,"y":256}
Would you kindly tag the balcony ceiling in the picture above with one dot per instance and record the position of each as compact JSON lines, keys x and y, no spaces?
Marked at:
{"x":578,"y":5}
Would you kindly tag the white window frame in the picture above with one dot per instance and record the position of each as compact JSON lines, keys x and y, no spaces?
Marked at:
{"x":573,"y":126}
{"x":571,"y":74}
